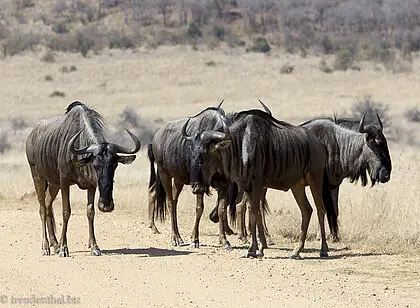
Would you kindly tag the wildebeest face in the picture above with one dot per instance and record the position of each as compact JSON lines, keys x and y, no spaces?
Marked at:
{"x":104,"y":159}
{"x":379,"y":161}
{"x":204,"y":159}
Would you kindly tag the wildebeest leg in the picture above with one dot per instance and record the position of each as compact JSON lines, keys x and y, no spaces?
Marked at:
{"x":177,"y":188}
{"x":65,"y":194}
{"x":222,"y":202}
{"x":306,"y":212}
{"x":240,"y":214}
{"x":94,"y":248}
{"x":152,"y":201}
{"x":255,"y":220}
{"x":195,"y":242}
{"x":316,"y":189}
{"x":40,"y":188}
{"x":51,"y":195}
{"x":334,"y":195}
{"x":264,"y":204}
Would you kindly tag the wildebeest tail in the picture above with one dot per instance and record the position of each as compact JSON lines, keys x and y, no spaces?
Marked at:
{"x":329,"y":205}
{"x":231,"y":200}
{"x":152,"y":178}
{"x":160,"y":198}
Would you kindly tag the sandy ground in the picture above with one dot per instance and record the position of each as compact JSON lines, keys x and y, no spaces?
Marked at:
{"x":139,"y":269}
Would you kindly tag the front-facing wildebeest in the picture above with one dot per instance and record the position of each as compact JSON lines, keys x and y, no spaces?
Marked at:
{"x":71,"y":149}
{"x":256,"y":151}
{"x":173,"y":157}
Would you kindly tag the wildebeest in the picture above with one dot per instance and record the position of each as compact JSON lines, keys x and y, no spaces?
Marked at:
{"x":173,"y":157}
{"x":71,"y":149}
{"x":256,"y":151}
{"x":353,"y":149}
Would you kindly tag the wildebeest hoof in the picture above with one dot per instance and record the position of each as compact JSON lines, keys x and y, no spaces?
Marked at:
{"x":295,"y":256}
{"x":195,"y":244}
{"x":45,"y":252}
{"x":227,"y":246}
{"x":270,"y":242}
{"x":251,"y":254}
{"x":64,"y":252}
{"x":335,"y":239}
{"x":155,"y":231}
{"x":259,"y":254}
{"x":323,"y":254}
{"x":96,"y":252}
{"x":178,"y":242}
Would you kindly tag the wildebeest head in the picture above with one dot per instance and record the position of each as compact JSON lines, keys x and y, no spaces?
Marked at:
{"x":104,"y":159}
{"x":204,"y":146}
{"x":377,"y":153}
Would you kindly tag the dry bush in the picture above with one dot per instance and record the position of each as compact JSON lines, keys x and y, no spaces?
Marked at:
{"x":18,"y":123}
{"x":120,"y":39}
{"x":344,"y":58}
{"x":49,"y":57}
{"x":48,"y":78}
{"x":4,"y":142}
{"x":287,"y":68}
{"x":413,"y":114}
{"x":142,"y":127}
{"x":57,"y":94}
{"x":371,"y":107}
{"x":259,"y":44}
{"x":324,"y":67}
{"x":18,"y":42}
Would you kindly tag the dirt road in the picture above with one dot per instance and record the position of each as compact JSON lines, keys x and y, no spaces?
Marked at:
{"x":138,"y":269}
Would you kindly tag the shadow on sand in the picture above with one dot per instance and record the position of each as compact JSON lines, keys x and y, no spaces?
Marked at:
{"x":146,"y":252}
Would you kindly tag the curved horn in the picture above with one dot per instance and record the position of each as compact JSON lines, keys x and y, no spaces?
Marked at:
{"x":220,"y":104}
{"x":184,"y":131}
{"x":123,"y":150}
{"x":379,"y":121}
{"x":265,"y":107}
{"x":85,"y":150}
{"x":362,"y":124}
{"x":225,"y":127}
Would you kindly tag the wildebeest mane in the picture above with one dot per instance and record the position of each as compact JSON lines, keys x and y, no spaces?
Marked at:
{"x":96,"y":121}
{"x":263,"y":115}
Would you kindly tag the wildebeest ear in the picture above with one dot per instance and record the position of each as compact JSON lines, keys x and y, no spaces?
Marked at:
{"x":83,"y":161}
{"x":126,"y":159}
{"x":220,"y":145}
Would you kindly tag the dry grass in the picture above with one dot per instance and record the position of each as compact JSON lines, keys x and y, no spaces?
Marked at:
{"x":169,"y":83}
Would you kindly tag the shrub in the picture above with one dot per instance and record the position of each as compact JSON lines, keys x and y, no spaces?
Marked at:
{"x":72,"y":68}
{"x":367,"y":105}
{"x":219,"y":32}
{"x":287,"y":68}
{"x":327,"y":45}
{"x":344,"y":59}
{"x":4,"y":143}
{"x":140,"y":126}
{"x":119,"y":39}
{"x":48,"y":78}
{"x":18,"y":123}
{"x":193,"y":30}
{"x":48,"y":57}
{"x":323,"y":66}
{"x":413,"y":114}
{"x":211,"y":63}
{"x":57,"y":94}
{"x":18,"y":42}
{"x":260,"y":44}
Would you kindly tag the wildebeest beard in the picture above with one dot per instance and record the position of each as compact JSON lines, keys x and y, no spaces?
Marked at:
{"x":362,"y":173}
{"x":197,"y":181}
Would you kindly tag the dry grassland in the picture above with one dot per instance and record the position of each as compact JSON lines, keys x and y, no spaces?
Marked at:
{"x":170,"y":83}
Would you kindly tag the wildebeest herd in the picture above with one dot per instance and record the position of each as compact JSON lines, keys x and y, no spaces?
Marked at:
{"x":240,"y":155}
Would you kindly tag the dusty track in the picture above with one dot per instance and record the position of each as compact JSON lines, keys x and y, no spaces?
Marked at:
{"x":138,"y":268}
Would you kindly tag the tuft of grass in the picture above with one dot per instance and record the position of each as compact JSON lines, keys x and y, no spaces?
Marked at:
{"x":368,"y":105}
{"x":211,"y":63}
{"x":57,"y":94}
{"x":287,"y":68}
{"x":260,"y":44}
{"x":324,"y":67}
{"x":48,"y":78}
{"x":4,"y":142}
{"x":48,"y":57}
